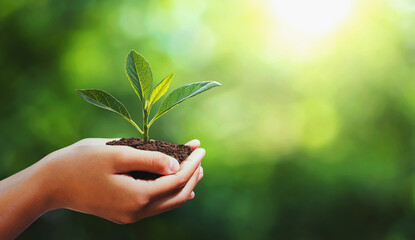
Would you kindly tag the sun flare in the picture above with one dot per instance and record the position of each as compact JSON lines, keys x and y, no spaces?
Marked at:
{"x":311,"y":18}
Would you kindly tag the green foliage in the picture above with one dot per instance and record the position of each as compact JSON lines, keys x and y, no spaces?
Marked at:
{"x":104,"y":100}
{"x":182,"y":93}
{"x":314,"y":138}
{"x":161,"y":89}
{"x":139,"y":74}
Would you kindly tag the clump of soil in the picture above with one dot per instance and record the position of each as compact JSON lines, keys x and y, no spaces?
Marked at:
{"x":178,"y":151}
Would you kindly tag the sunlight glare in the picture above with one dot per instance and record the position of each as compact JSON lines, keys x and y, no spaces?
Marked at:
{"x":311,"y":18}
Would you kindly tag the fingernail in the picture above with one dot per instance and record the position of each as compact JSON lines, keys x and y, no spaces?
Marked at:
{"x":201,"y":151}
{"x":174,"y":165}
{"x":200,"y":173}
{"x":192,"y":195}
{"x":195,"y":142}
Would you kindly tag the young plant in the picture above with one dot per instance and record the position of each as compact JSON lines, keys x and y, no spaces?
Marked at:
{"x":139,"y":74}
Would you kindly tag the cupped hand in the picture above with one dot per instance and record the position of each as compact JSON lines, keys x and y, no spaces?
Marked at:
{"x":88,"y":177}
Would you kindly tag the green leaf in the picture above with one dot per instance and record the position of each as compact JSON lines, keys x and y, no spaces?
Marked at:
{"x":161,"y":89}
{"x":139,"y":73}
{"x":182,"y":93}
{"x":104,"y":100}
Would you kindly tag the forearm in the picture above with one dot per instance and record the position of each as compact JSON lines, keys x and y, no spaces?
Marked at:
{"x":85,"y":177}
{"x":23,"y":198}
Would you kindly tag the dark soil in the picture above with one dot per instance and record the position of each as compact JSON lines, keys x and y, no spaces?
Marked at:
{"x":178,"y":151}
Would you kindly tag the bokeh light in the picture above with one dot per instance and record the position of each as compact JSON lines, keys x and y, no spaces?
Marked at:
{"x":315,"y":18}
{"x":311,"y":135}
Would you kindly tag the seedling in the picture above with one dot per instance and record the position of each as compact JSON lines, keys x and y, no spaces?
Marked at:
{"x":139,"y":74}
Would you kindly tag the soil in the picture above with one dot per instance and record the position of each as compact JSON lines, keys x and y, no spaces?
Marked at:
{"x":178,"y":151}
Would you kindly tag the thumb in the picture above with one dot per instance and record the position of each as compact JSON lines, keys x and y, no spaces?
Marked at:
{"x":131,"y":159}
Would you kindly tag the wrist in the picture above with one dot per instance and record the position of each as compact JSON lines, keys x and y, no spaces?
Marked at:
{"x":24,"y":198}
{"x":43,"y":188}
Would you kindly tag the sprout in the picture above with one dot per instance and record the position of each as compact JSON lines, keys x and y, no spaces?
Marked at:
{"x":139,"y":74}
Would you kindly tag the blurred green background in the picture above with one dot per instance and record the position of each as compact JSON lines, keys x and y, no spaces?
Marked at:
{"x":311,"y":136}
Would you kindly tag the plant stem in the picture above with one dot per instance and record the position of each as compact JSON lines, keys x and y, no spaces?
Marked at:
{"x":145,"y":126}
{"x":134,"y":124}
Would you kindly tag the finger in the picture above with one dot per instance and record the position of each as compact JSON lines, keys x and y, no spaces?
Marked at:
{"x":171,"y":183}
{"x":193,"y":144}
{"x":192,"y":195}
{"x":201,"y":174}
{"x":175,"y":200}
{"x":94,"y":141}
{"x":128,"y":159}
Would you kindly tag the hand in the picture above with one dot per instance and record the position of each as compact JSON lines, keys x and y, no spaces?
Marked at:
{"x":88,"y":177}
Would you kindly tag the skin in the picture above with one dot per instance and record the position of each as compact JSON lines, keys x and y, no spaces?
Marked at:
{"x":87,"y":177}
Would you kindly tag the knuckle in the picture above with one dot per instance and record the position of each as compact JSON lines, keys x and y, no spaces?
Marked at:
{"x":182,"y":200}
{"x":181,"y":182}
{"x":159,"y":161}
{"x":83,"y":141}
{"x":119,"y":155}
{"x":122,"y":156}
{"x":141,"y":202}
{"x":81,"y":148}
{"x":127,"y":218}
{"x":136,"y":201}
{"x":114,"y":159}
{"x":120,"y":221}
